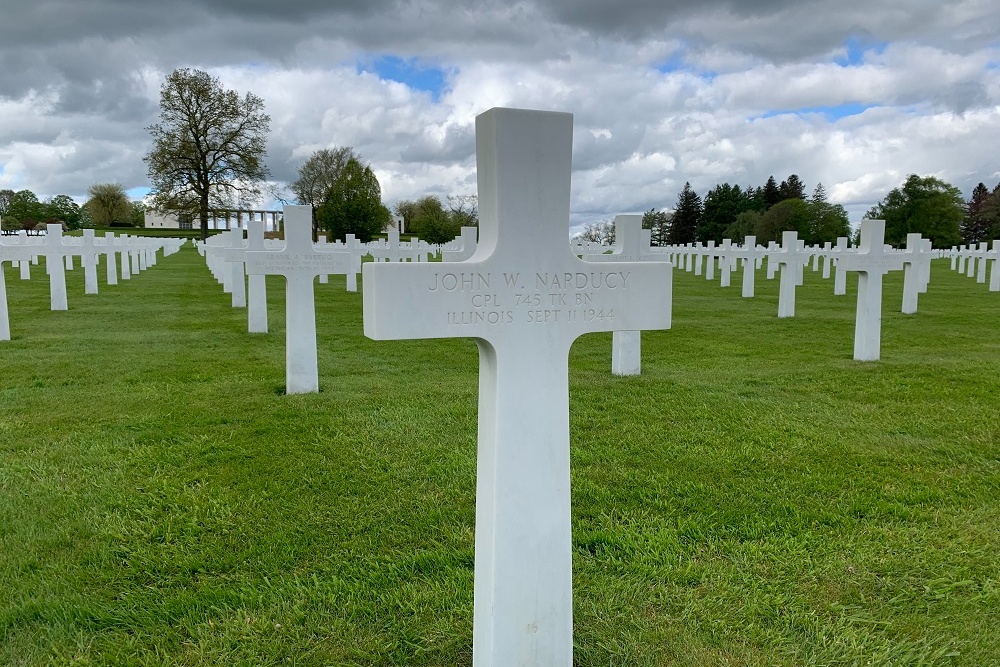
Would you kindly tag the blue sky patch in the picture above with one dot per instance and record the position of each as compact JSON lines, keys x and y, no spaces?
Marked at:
{"x":831,"y":113}
{"x":856,"y":48}
{"x":408,"y":72}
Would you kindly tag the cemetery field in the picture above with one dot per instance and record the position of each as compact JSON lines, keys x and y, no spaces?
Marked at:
{"x":755,"y":497}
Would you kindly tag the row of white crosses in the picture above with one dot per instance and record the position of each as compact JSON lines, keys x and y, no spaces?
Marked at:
{"x":136,"y":254}
{"x":299,"y":260}
{"x":872,"y":261}
{"x":972,"y":260}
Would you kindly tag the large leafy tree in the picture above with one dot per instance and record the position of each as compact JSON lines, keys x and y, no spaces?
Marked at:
{"x":24,"y":210}
{"x":435,"y":221}
{"x":743,"y":226}
{"x":687,"y":217}
{"x":354,"y":205}
{"x":785,"y":216}
{"x":431,"y":222}
{"x":208,"y":148}
{"x":925,"y":205}
{"x":63,"y":208}
{"x":5,"y":196}
{"x":318,"y":176}
{"x":108,"y":204}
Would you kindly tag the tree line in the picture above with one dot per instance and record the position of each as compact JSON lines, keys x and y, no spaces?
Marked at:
{"x":108,"y":205}
{"x":925,"y":205}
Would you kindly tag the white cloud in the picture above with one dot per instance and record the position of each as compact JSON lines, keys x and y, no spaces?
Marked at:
{"x":74,"y":104}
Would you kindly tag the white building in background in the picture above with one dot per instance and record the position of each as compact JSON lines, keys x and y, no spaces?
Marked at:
{"x":218,"y":219}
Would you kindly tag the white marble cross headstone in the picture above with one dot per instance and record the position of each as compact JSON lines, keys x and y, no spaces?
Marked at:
{"x":917,"y":261}
{"x":840,"y":276}
{"x":871,"y":261}
{"x":122,"y":243}
{"x":235,"y":256}
{"x":256,"y":284}
{"x":300,"y":262}
{"x":467,"y":239}
{"x":994,"y":257}
{"x":110,"y":258}
{"x":751,"y":252}
{"x":88,"y":258}
{"x":22,"y":238}
{"x":524,"y":297}
{"x":790,"y":259}
{"x":725,"y":262}
{"x":632,"y":244}
{"x":981,"y":255}
{"x":10,"y":253}
{"x":827,"y":248}
{"x":54,"y":251}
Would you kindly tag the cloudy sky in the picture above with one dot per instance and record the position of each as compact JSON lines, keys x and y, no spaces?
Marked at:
{"x":854,"y":94}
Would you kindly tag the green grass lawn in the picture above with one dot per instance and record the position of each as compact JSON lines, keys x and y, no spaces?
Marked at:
{"x":755,"y":497}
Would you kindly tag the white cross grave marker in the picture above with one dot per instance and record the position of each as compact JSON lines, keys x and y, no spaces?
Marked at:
{"x":110,"y":258}
{"x":981,"y":254}
{"x":632,"y":244}
{"x":871,"y":261}
{"x":994,"y":256}
{"x":917,"y":261}
{"x":256,"y":284}
{"x":840,"y":276}
{"x":15,"y":252}
{"x":300,"y":262}
{"x":54,"y":251}
{"x":88,"y":258}
{"x":751,"y":254}
{"x":467,"y":239}
{"x":790,"y":259}
{"x":827,"y":248}
{"x":22,"y":238}
{"x":524,"y":297}
{"x":235,"y":256}
{"x":122,"y":243}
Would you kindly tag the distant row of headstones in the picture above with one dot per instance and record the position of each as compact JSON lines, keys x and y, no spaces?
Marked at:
{"x":871,"y":261}
{"x":233,"y":258}
{"x":60,"y":253}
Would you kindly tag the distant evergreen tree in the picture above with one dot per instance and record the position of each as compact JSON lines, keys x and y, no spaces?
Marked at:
{"x":687,"y":217}
{"x":755,"y":198}
{"x":771,"y":193}
{"x":722,"y":205}
{"x":792,"y":188}
{"x":976,"y":224}
{"x":819,"y":194}
{"x":992,"y":210}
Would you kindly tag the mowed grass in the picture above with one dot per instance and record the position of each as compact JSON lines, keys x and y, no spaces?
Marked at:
{"x":755,"y":497}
